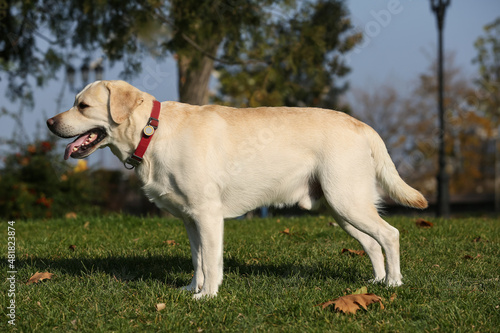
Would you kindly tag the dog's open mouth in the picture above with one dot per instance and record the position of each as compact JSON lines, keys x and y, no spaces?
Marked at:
{"x":85,"y":144}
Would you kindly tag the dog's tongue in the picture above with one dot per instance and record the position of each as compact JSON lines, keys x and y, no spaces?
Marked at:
{"x":78,"y":142}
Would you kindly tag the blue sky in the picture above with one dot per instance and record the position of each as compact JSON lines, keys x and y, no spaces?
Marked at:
{"x":400,"y":36}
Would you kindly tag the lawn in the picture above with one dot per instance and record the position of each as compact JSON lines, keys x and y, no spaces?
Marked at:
{"x":120,"y":267}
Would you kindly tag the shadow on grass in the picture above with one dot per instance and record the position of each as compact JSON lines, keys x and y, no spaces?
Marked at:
{"x":176,"y":271}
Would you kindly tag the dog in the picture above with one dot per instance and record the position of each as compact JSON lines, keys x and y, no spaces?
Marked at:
{"x":207,"y":163}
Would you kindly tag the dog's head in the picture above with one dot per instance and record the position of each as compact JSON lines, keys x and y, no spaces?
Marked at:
{"x":98,"y":110}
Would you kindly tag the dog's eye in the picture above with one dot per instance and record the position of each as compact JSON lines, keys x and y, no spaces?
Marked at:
{"x":82,"y":105}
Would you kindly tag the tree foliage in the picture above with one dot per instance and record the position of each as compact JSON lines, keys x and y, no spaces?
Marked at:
{"x":488,"y":59}
{"x":303,"y":59}
{"x":290,"y":50}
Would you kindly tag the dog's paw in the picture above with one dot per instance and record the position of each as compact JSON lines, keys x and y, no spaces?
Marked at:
{"x":377,"y":280}
{"x":203,"y":295}
{"x":191,"y":288}
{"x":393,"y":283}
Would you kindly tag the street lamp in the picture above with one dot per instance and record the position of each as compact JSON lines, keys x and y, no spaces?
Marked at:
{"x":98,"y":72}
{"x":70,"y":75}
{"x":443,"y":191}
{"x":85,"y":73}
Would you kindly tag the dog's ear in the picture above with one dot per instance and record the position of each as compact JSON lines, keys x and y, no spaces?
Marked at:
{"x":123,"y":99}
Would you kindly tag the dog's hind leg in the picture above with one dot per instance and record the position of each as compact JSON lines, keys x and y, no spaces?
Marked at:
{"x":367,"y":221}
{"x":371,"y":247}
{"x":354,"y":206}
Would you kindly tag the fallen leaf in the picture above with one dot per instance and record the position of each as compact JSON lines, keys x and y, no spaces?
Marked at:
{"x":37,"y":277}
{"x":479,"y":239}
{"x":171,"y":242}
{"x":160,"y":306}
{"x":393,"y":297}
{"x":421,"y":223}
{"x":286,"y":231}
{"x":86,"y":225}
{"x":135,"y":239}
{"x":70,"y":215}
{"x":72,"y":247}
{"x":471,"y":257}
{"x":351,"y":303}
{"x":356,"y":252}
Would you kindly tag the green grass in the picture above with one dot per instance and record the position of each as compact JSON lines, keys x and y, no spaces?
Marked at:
{"x":122,"y":267}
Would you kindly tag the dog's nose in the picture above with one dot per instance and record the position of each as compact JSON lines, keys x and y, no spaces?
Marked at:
{"x":50,"y":122}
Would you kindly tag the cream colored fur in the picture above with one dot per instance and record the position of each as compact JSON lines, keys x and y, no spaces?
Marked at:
{"x":208,"y":163}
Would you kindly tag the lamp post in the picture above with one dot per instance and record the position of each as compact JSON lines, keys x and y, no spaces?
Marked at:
{"x":443,"y":191}
{"x":85,"y":71}
{"x":70,"y":75}
{"x":98,"y":72}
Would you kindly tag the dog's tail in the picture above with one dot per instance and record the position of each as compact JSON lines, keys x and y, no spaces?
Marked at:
{"x":388,"y":177}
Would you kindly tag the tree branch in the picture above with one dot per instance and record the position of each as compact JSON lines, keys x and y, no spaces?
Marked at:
{"x":200,"y":49}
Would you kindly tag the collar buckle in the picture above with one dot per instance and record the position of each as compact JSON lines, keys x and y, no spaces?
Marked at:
{"x":132,"y":162}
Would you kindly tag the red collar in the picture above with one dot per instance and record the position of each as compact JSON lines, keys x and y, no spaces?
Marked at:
{"x":147,"y":133}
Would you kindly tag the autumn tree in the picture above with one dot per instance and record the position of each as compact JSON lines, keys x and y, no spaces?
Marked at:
{"x":488,"y":59}
{"x":409,"y":126}
{"x":487,"y":97}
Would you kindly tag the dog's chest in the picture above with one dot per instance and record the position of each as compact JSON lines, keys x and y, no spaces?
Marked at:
{"x":163,"y":192}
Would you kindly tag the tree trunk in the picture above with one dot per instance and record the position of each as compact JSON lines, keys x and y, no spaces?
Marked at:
{"x":194,"y":77}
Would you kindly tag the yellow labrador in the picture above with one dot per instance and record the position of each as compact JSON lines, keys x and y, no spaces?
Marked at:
{"x":208,"y":163}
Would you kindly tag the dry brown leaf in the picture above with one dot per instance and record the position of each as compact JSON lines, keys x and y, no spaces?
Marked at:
{"x":393,"y":297}
{"x":86,"y":225}
{"x":421,"y":223}
{"x":70,"y":215}
{"x":356,"y":252}
{"x":37,"y":277}
{"x":171,"y":242}
{"x":286,"y":231}
{"x":471,"y":257}
{"x":72,"y":247}
{"x":479,"y":239}
{"x":160,"y":306}
{"x":352,"y":303}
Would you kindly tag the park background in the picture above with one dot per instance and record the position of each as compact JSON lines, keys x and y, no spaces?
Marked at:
{"x":376,"y":61}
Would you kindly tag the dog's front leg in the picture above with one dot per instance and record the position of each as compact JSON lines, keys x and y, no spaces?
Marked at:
{"x":195,"y":243}
{"x":211,"y":231}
